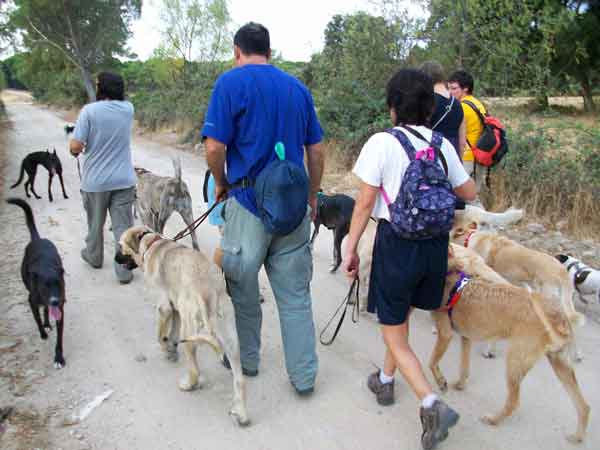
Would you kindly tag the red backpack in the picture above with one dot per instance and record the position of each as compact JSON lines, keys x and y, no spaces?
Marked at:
{"x":491,"y":146}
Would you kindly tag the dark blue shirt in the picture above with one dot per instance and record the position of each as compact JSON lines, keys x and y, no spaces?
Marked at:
{"x":252,"y":107}
{"x":450,"y":124}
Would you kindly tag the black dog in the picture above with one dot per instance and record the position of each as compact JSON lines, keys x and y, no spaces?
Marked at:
{"x":335,"y":212}
{"x":50,"y":161}
{"x":43,"y":275}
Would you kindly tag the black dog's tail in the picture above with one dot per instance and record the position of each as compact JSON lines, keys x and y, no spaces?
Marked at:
{"x":20,"y":176}
{"x":28,"y":215}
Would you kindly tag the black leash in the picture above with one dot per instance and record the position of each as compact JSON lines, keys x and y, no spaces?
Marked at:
{"x":344,"y":304}
{"x":195,"y":224}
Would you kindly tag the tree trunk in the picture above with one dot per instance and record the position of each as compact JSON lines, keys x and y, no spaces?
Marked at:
{"x":586,"y":92}
{"x":88,"y":84}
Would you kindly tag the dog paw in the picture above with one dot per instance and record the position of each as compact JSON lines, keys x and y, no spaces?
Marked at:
{"x":489,"y":420}
{"x":488,"y":354}
{"x":43,"y":335}
{"x":66,"y":197}
{"x":459,"y":386}
{"x":575,"y":438}
{"x":240,"y":418}
{"x":59,"y":362}
{"x":172,"y":356}
{"x":578,"y":357}
{"x":48,"y":327}
{"x":333,"y":268}
{"x":187,"y":384}
{"x":442,"y":384}
{"x":434,"y":330}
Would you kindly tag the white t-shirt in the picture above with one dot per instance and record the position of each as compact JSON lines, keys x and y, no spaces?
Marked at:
{"x":383,"y":161}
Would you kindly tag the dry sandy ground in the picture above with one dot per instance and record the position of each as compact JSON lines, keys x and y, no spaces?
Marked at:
{"x":110,"y":344}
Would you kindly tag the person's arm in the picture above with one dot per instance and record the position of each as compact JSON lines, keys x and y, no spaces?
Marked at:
{"x":467,"y":191}
{"x":462,"y":138}
{"x":76,"y":147}
{"x":215,"y":157}
{"x":315,"y":159}
{"x":360,"y":217}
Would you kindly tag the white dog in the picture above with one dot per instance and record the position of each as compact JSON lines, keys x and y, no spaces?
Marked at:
{"x":585,"y":279}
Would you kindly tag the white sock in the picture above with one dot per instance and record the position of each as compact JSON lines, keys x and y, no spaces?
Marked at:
{"x":429,"y":400}
{"x":384,"y":378}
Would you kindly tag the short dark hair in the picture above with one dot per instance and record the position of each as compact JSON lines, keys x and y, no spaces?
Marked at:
{"x":410,"y":94}
{"x":464,"y":80}
{"x":253,"y":39}
{"x":110,"y":86}
{"x":434,"y":70}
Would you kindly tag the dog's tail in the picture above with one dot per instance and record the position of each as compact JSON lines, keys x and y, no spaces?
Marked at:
{"x":21,"y":174}
{"x":567,"y":291}
{"x":28,"y":215}
{"x":177,"y":167}
{"x":204,"y":337}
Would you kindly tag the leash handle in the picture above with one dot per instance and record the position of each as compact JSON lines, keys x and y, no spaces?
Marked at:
{"x":196,"y":223}
{"x":344,"y":304}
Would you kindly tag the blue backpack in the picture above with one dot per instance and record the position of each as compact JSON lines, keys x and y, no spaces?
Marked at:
{"x":281,"y":191}
{"x":424,"y":207}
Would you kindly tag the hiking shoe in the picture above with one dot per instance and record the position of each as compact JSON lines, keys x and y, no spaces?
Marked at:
{"x":436,"y":421}
{"x":383,"y":392}
{"x":247,"y":372}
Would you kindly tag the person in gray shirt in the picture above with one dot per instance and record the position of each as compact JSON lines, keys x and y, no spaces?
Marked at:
{"x":103,"y":135}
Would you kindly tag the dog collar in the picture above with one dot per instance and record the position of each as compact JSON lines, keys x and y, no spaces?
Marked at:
{"x":156,"y":238}
{"x":456,"y":291}
{"x":468,"y":238}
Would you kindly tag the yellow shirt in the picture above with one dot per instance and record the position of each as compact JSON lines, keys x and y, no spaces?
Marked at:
{"x":473,"y":125}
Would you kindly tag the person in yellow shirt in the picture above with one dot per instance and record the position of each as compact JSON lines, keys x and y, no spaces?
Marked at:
{"x":460,"y":85}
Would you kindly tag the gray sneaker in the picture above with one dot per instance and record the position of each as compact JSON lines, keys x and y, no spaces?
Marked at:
{"x":436,"y":421}
{"x":383,"y":392}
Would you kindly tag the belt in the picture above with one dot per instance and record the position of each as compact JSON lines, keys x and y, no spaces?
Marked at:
{"x":244,"y":183}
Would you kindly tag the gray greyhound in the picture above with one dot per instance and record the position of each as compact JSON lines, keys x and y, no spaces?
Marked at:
{"x":158,"y":197}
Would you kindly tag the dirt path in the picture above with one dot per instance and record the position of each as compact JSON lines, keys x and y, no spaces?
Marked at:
{"x":111,"y":345}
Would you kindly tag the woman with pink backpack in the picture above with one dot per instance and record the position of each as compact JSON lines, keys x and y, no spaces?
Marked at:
{"x":410,"y":180}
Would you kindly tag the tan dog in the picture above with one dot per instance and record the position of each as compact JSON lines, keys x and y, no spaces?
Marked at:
{"x":195,"y":307}
{"x":520,"y":265}
{"x":533,"y":325}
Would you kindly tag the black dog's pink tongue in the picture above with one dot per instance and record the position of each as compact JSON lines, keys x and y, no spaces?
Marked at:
{"x":55,"y":312}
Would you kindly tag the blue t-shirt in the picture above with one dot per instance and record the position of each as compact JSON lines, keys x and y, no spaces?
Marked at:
{"x":251,"y":108}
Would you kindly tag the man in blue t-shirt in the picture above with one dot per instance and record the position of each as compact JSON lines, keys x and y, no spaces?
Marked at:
{"x":252,"y":107}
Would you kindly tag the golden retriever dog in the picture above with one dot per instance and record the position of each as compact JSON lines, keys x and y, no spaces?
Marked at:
{"x":520,"y":265}
{"x":194,"y":308}
{"x":533,"y":325}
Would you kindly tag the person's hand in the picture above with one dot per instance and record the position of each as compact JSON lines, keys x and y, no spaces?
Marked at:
{"x":350,"y":264}
{"x":312,"y":202}
{"x":221,"y":192}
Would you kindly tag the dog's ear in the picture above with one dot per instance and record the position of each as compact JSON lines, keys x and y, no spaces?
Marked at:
{"x":562,"y":258}
{"x":54,"y":152}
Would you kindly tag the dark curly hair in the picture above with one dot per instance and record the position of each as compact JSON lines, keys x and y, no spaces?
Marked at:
{"x":410,"y":95}
{"x":464,"y":80}
{"x":110,"y":86}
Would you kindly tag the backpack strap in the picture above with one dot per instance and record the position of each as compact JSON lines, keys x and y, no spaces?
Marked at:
{"x":448,"y":108}
{"x":436,"y":144}
{"x":476,"y":109}
{"x":404,"y":142}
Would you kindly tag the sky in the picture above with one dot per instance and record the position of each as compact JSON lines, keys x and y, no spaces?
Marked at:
{"x":296,"y":27}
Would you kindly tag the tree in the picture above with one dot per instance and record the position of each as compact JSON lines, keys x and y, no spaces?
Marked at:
{"x":88,"y":33}
{"x":577,"y":47}
{"x":196,"y":30}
